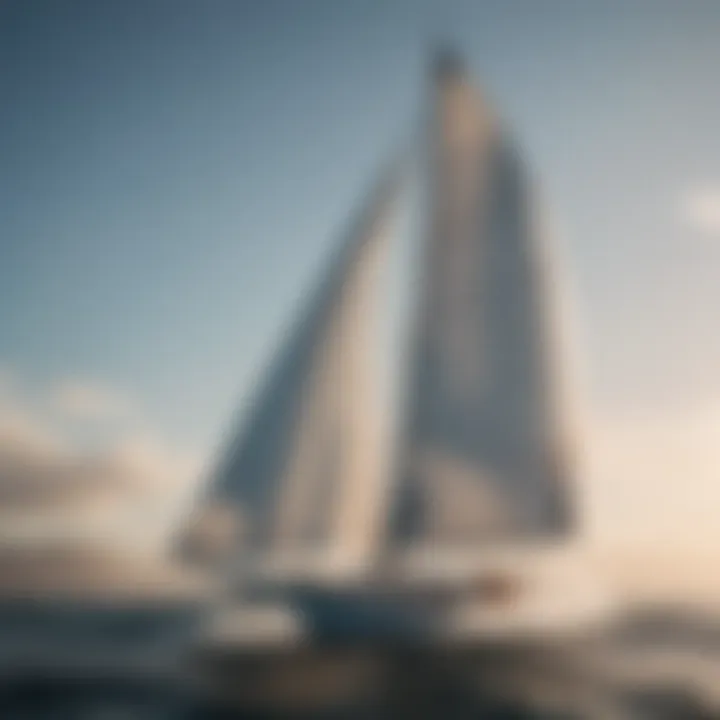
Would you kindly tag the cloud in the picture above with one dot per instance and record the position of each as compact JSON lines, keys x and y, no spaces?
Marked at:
{"x":654,"y":478}
{"x":129,"y":490}
{"x":72,"y":570}
{"x":699,"y":209}
{"x":90,"y":401}
{"x":6,"y":381}
{"x":34,"y":478}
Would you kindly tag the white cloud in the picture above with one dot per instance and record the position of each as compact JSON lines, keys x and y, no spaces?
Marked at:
{"x":128,"y":491}
{"x":90,"y":401}
{"x":655,"y":479}
{"x":21,"y":430}
{"x":700,"y":208}
{"x":6,"y":381}
{"x":74,"y":569}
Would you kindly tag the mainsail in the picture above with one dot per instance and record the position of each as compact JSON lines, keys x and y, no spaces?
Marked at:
{"x":305,"y":472}
{"x":483,"y":456}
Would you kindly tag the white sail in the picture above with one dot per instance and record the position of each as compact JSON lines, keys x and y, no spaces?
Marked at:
{"x":483,"y":456}
{"x":305,"y":472}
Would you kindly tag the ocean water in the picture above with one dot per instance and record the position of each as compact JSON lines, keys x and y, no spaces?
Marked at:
{"x":109,"y":662}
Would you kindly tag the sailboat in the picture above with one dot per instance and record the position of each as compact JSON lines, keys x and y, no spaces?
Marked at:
{"x":463,"y":532}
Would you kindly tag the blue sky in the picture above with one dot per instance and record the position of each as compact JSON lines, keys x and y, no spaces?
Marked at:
{"x":173,"y":172}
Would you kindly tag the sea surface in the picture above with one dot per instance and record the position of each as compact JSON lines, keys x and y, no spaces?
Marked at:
{"x":90,"y":661}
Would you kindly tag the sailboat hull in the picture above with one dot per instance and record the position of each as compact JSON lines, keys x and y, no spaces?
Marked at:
{"x":332,"y":647}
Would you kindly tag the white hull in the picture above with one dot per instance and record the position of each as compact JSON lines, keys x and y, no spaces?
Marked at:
{"x":553,"y":603}
{"x":516,"y":589}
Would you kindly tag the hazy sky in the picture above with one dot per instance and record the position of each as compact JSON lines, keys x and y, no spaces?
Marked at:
{"x":172,"y":173}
